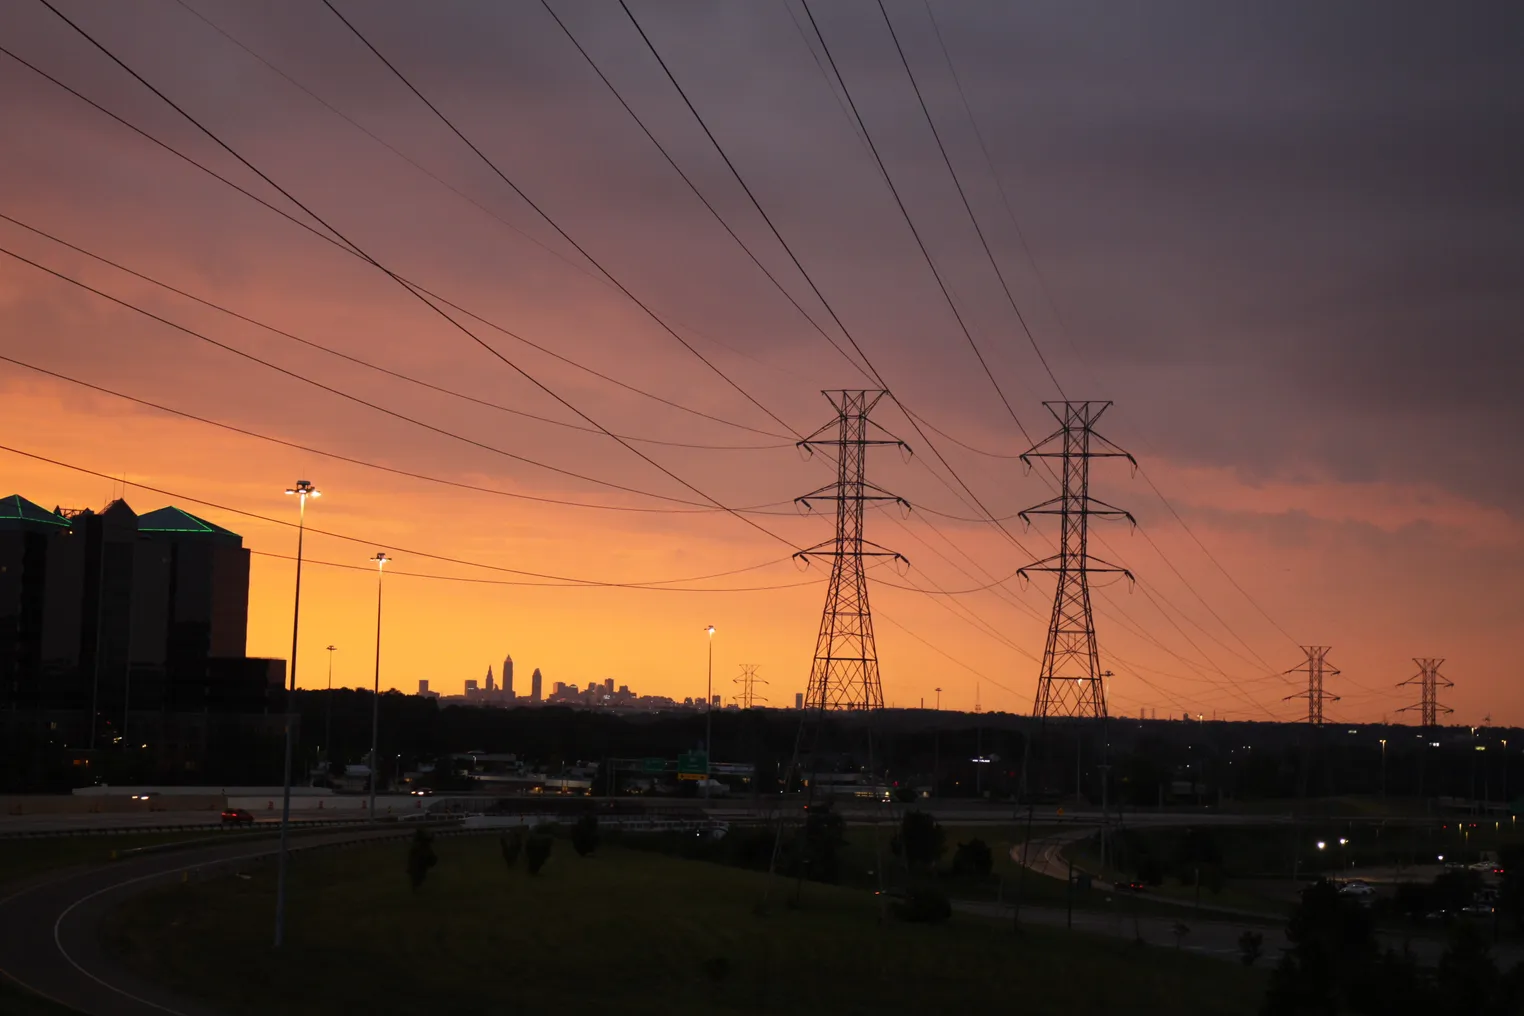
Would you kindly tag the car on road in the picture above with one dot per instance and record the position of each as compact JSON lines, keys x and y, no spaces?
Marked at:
{"x":423,"y":792}
{"x":237,"y":816}
{"x":1357,"y":889}
{"x":1129,"y":887}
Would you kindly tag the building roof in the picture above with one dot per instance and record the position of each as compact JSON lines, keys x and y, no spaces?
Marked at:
{"x":170,"y":519}
{"x":16,"y":508}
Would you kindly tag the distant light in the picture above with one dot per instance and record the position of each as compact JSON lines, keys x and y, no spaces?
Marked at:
{"x":980,"y":760}
{"x":1343,"y":841}
{"x":1441,"y":857}
{"x":1321,"y":844}
{"x":1433,"y":744}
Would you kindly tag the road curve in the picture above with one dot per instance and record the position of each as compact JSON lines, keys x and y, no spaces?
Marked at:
{"x":49,"y":927}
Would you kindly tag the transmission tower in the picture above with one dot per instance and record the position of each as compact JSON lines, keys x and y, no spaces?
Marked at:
{"x":844,"y":674}
{"x":1429,"y":681}
{"x":1070,"y":683}
{"x":748,"y":682}
{"x":845,"y":671}
{"x":1316,"y":667}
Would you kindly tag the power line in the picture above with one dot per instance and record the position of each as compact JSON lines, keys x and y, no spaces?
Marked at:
{"x":425,"y":300}
{"x":343,"y":394}
{"x":958,"y":183}
{"x":699,"y":507}
{"x":371,"y":542}
{"x":916,"y":233}
{"x":360,"y":361}
{"x":308,"y":227}
{"x":552,"y":222}
{"x":539,"y":585}
{"x":694,"y":187}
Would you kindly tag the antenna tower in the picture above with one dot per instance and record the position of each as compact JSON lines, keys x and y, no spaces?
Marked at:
{"x":1071,"y":683}
{"x":748,"y":682}
{"x":1429,"y":681}
{"x":1316,"y":667}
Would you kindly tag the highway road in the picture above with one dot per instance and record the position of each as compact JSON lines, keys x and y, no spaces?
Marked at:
{"x":49,"y":939}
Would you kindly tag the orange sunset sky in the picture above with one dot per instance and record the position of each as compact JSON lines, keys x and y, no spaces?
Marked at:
{"x":1291,"y":263}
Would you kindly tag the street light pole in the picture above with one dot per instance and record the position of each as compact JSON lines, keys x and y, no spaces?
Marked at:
{"x":375,"y":698}
{"x":709,"y":713}
{"x":328,"y":720}
{"x":1383,"y":769}
{"x":302,"y":491}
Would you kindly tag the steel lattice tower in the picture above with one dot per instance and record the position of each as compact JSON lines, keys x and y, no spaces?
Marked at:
{"x":1316,"y":667}
{"x":748,"y":682}
{"x":1071,"y":683}
{"x":1429,"y":681}
{"x":845,"y":671}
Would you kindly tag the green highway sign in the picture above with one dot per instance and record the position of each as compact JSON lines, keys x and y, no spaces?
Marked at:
{"x":653,"y":765}
{"x":693,"y":763}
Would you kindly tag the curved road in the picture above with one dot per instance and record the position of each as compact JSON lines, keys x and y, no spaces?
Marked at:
{"x":49,"y":926}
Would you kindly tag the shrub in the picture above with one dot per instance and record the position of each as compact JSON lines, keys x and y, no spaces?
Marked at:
{"x":420,"y":857}
{"x":511,"y":844}
{"x":973,"y":858}
{"x":923,"y":905}
{"x":585,"y":835}
{"x":1251,"y":945}
{"x":537,"y":851}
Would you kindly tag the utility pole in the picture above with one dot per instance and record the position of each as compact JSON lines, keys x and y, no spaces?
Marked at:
{"x":748,"y":682}
{"x":939,"y":698}
{"x":844,"y":672}
{"x":1316,"y":667}
{"x":1429,"y":681}
{"x":375,"y":699}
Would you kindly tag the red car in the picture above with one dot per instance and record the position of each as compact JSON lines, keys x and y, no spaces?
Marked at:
{"x":237,"y":816}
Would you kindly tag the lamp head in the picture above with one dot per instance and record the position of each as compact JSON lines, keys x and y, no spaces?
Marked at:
{"x":381,"y":559}
{"x":710,"y":629}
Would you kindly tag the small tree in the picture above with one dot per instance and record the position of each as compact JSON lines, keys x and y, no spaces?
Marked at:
{"x":922,"y":839}
{"x":1251,"y":945}
{"x":420,"y":857}
{"x":925,"y":904}
{"x":585,"y":835}
{"x":511,"y":845}
{"x":537,"y":851}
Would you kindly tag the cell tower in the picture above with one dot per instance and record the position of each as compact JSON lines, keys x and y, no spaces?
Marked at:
{"x":845,"y":671}
{"x":1429,"y":681}
{"x":1070,"y":683}
{"x":1316,"y":667}
{"x":748,"y":682}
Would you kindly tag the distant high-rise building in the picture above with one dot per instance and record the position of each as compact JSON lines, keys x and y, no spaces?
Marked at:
{"x":470,"y":687}
{"x":491,"y":686}
{"x":715,"y":702}
{"x":608,"y":684}
{"x":423,"y":687}
{"x":557,"y":688}
{"x":534,"y":685}
{"x":798,"y":700}
{"x":508,"y":676}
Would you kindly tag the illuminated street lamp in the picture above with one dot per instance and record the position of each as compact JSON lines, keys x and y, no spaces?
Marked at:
{"x":1383,"y":768}
{"x":1321,"y":845}
{"x":375,"y":698}
{"x":301,"y":491}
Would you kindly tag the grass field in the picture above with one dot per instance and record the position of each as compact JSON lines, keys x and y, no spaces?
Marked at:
{"x":626,"y":932}
{"x":17,"y":1001}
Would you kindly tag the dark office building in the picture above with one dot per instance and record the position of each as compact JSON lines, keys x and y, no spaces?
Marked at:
{"x":112,"y":613}
{"x":41,"y":583}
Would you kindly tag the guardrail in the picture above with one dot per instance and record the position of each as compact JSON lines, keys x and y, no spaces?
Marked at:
{"x":218,"y":830}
